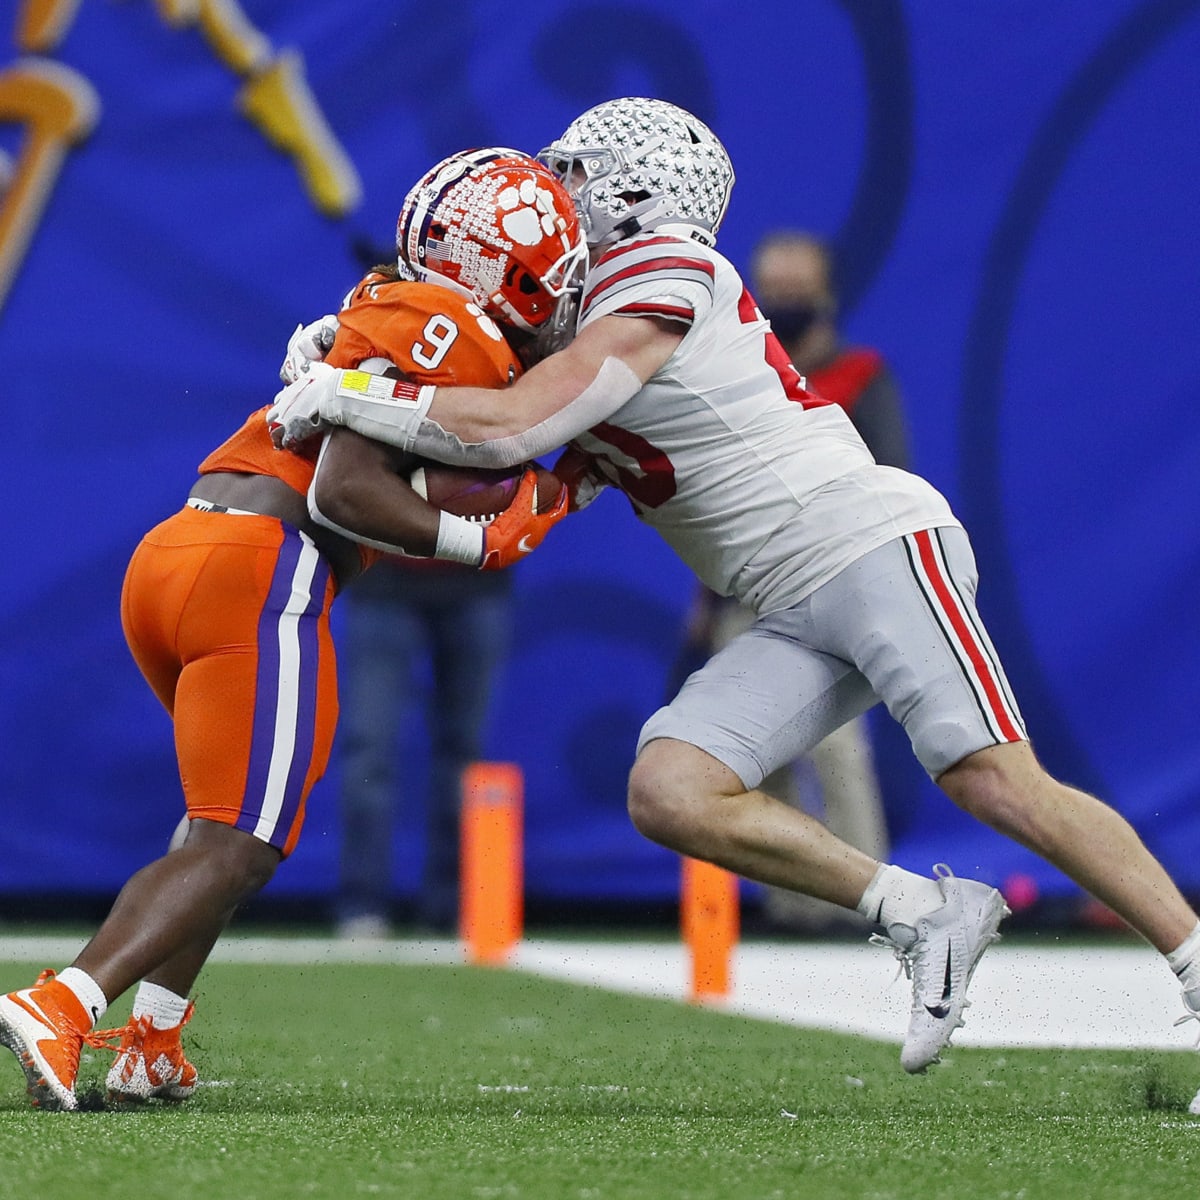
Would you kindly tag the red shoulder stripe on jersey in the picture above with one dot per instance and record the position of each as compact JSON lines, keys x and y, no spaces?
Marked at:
{"x":641,"y":244}
{"x":673,"y":263}
{"x":653,"y":266}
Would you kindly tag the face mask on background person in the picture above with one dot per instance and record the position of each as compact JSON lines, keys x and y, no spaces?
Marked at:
{"x":793,"y":321}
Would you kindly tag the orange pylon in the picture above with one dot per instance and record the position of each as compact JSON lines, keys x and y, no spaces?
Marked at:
{"x":708,"y":913}
{"x":491,"y":887}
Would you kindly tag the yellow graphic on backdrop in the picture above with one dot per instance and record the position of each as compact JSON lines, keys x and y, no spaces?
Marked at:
{"x":42,"y":23}
{"x":277,"y":100}
{"x":55,"y":108}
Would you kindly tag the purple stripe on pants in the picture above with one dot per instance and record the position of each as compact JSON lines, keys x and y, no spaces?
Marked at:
{"x":264,"y":772}
{"x":307,"y":635}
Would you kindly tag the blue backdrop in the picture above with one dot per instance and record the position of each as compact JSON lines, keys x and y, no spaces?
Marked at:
{"x":1013,"y":191}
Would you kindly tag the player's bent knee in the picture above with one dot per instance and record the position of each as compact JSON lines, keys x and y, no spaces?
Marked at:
{"x":259,"y":866}
{"x":999,"y":786}
{"x":648,"y":804}
{"x":645,"y":801}
{"x":246,"y":862}
{"x":662,"y":798}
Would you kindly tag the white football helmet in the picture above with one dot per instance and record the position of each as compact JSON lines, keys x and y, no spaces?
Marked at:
{"x":636,"y":164}
{"x":497,"y":226}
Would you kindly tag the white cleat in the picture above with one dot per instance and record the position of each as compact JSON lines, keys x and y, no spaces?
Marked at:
{"x":940,"y":956}
{"x":1191,"y":1002}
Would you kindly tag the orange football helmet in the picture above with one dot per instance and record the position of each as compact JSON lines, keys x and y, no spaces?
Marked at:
{"x":498,"y":226}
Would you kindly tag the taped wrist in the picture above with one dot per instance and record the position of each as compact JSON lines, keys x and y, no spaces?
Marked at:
{"x":459,"y":540}
{"x":388,"y":410}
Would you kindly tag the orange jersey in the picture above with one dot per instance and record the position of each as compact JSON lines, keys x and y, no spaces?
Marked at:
{"x":428,"y":331}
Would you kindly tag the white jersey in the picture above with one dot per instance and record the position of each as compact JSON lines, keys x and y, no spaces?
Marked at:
{"x":762,"y":488}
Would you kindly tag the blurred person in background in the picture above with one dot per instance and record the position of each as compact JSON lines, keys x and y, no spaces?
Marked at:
{"x":403,"y":616}
{"x":792,"y":277}
{"x":792,"y":280}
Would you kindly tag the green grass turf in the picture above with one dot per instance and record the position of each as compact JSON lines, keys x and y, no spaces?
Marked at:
{"x":460,"y":1083}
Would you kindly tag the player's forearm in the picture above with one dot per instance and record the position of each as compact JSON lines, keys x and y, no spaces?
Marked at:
{"x":491,"y":429}
{"x":361,"y":490}
{"x":485,"y":414}
{"x":552,"y":403}
{"x":441,"y":423}
{"x":374,"y":508}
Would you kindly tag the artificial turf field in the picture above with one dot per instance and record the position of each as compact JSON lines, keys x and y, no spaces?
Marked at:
{"x":455,"y":1082}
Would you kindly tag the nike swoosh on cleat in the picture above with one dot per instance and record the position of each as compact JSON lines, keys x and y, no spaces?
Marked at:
{"x":942,"y":1011}
{"x":33,"y":1009}
{"x":523,"y":545}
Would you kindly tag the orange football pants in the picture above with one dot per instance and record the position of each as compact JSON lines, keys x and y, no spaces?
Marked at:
{"x":227,"y":616}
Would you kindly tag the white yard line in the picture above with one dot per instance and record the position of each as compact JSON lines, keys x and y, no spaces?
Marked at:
{"x":1117,"y":997}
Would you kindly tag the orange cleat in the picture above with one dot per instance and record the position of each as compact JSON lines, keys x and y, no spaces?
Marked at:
{"x":151,"y":1064}
{"x":45,"y":1026}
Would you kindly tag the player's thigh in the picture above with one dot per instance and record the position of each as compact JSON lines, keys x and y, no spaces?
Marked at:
{"x":256,"y":702}
{"x":905,"y":614}
{"x":760,"y":702}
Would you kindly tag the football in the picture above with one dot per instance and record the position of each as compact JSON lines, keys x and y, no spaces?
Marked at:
{"x":476,"y":493}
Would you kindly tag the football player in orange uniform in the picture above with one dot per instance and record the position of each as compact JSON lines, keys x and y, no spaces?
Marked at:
{"x":226,"y":607}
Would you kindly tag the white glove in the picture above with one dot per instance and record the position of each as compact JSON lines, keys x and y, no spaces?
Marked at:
{"x":309,"y":344}
{"x":296,"y":413}
{"x":388,"y":410}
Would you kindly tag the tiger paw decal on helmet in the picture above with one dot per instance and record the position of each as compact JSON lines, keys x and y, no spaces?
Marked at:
{"x":498,"y":226}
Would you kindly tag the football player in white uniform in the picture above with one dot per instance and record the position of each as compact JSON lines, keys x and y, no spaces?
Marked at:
{"x":674,"y":390}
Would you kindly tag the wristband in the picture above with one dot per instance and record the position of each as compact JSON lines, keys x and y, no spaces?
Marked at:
{"x":459,"y":540}
{"x":388,"y":410}
{"x":363,"y":385}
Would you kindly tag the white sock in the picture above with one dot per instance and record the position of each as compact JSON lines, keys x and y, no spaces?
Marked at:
{"x":87,"y":992}
{"x":1184,"y":960}
{"x":162,"y":1006}
{"x":896,"y":896}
